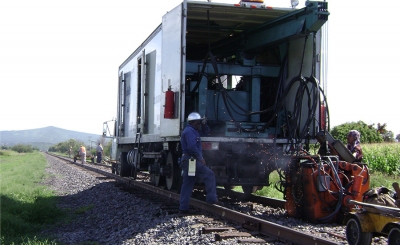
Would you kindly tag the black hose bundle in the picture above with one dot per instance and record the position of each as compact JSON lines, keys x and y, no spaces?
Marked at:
{"x":298,"y":121}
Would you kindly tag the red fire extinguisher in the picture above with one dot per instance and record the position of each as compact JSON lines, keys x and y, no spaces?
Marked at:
{"x":169,"y":104}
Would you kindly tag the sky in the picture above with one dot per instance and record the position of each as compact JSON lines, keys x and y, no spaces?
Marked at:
{"x":59,"y":59}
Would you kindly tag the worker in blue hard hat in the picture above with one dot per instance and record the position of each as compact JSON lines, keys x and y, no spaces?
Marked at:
{"x":192,"y":149}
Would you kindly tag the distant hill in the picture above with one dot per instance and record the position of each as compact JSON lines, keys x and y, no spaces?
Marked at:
{"x":43,"y":138}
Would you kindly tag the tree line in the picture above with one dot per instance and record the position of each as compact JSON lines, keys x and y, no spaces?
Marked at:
{"x":74,"y":145}
{"x":21,"y":148}
{"x":369,"y":133}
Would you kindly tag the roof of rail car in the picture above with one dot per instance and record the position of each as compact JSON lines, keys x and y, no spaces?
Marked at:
{"x":225,"y":20}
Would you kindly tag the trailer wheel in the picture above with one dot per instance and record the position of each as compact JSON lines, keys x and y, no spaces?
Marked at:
{"x":394,"y":236}
{"x":354,"y":234}
{"x":171,"y":172}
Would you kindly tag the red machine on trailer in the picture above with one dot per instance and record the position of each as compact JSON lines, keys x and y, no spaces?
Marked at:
{"x":319,"y":188}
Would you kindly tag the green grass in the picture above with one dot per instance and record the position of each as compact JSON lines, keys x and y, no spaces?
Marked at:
{"x":378,"y":179}
{"x":384,"y":157}
{"x":272,"y":190}
{"x":26,"y":206}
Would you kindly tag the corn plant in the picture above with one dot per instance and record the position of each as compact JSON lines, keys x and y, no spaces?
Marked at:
{"x":383,"y":157}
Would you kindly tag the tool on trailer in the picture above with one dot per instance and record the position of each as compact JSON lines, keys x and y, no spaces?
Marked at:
{"x":397,"y":190}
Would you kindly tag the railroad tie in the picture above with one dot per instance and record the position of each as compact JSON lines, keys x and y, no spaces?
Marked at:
{"x":228,"y":235}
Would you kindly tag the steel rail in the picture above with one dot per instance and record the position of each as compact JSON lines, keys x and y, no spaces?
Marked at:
{"x":264,"y":227}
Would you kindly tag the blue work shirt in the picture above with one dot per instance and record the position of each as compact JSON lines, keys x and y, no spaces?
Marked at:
{"x":191,"y":143}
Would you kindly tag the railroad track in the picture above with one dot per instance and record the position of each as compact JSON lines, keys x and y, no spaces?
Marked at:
{"x":255,"y":227}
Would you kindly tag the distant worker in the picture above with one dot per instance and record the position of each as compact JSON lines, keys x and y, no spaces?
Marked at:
{"x":82,"y":153}
{"x":354,"y":144}
{"x":69,"y":152}
{"x":99,"y":151}
{"x":191,"y":148}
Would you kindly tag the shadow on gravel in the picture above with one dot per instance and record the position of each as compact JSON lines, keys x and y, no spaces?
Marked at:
{"x":103,"y":214}
{"x":24,"y":220}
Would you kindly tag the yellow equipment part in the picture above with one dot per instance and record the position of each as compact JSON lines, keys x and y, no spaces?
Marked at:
{"x":373,"y":222}
{"x":370,"y":220}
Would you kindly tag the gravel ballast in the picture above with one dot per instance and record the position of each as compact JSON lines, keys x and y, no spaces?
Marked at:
{"x":102,"y":213}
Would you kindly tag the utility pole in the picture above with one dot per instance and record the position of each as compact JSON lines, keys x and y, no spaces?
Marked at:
{"x":90,"y":137}
{"x":91,"y":143}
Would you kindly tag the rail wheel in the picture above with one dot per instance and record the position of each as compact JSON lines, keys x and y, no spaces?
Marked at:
{"x":117,"y":168}
{"x":133,"y":172}
{"x":171,"y":172}
{"x":133,"y":161}
{"x":156,"y":177}
{"x":354,"y":234}
{"x":394,"y":236}
{"x":156,"y":166}
{"x":248,"y":189}
{"x":114,"y":168}
{"x":125,"y":168}
{"x":158,"y":180}
{"x":228,"y":189}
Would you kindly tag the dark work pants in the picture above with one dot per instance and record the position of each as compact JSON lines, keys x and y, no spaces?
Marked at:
{"x":99,"y":157}
{"x":204,"y":174}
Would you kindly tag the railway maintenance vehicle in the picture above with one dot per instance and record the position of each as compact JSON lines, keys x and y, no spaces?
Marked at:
{"x":256,"y":73}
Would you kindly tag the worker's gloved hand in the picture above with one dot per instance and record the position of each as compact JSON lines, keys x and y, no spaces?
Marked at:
{"x":204,"y":120}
